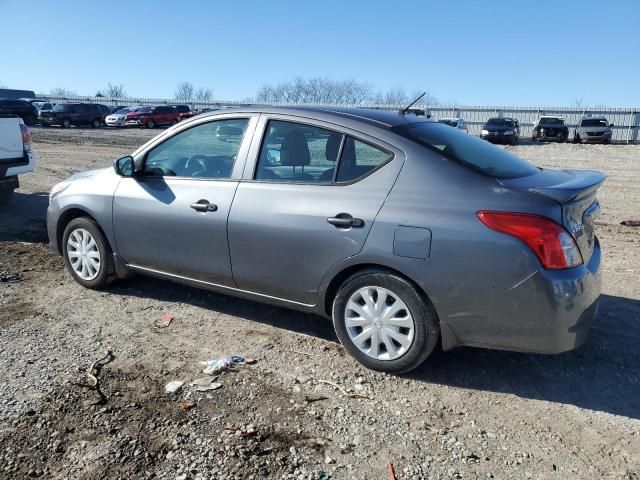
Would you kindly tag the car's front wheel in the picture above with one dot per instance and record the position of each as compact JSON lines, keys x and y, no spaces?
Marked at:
{"x":384,"y":322}
{"x":96,"y":123}
{"x":151,"y":124}
{"x":66,"y":123}
{"x":87,"y":254}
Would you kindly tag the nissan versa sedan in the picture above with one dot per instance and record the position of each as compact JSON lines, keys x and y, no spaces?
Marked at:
{"x":406,"y":233}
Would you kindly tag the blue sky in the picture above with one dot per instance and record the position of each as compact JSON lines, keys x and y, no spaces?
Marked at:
{"x":542,"y":52}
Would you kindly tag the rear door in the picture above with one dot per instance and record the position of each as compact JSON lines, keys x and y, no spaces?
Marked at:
{"x":295,"y":215}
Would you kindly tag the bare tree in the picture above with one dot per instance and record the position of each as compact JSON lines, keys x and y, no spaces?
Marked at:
{"x":184,"y":92}
{"x":62,"y":92}
{"x":578,"y":102}
{"x":315,"y":90}
{"x":115,"y":90}
{"x":3,"y":85}
{"x":203,"y":95}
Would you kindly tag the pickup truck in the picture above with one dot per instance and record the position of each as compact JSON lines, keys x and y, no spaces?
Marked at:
{"x":16,"y":156}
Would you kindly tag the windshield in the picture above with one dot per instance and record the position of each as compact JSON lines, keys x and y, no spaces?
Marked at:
{"x":143,"y":110}
{"x":499,"y":122}
{"x":467,"y":150}
{"x":123,"y":111}
{"x":594,"y":122}
{"x":62,"y":107}
{"x":552,"y":121}
{"x":449,"y":121}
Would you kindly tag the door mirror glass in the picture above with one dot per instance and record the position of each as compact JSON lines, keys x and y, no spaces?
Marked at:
{"x":124,"y":166}
{"x":611,"y":125}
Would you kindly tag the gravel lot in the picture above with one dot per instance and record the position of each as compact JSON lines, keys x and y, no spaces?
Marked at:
{"x":469,"y":413}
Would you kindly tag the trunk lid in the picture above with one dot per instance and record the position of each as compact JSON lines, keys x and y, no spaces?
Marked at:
{"x":576,"y":191}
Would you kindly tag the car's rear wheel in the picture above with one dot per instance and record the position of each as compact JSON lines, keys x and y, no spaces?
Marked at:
{"x":87,"y":254}
{"x":30,"y":120}
{"x":576,"y":138}
{"x":96,"y":123}
{"x":384,"y":322}
{"x":151,"y":124}
{"x":66,"y":123}
{"x":5,"y":195}
{"x":607,"y":141}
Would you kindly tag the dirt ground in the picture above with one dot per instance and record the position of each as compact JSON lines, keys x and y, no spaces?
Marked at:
{"x":468,"y":413}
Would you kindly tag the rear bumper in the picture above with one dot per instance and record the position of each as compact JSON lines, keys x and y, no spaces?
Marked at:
{"x":549,"y":312}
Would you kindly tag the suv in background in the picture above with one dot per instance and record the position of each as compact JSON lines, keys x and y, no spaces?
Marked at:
{"x":501,"y":130}
{"x":151,"y":117}
{"x":593,"y":129}
{"x":184,"y":111}
{"x":23,"y":109}
{"x":67,"y":114}
{"x":550,"y":127}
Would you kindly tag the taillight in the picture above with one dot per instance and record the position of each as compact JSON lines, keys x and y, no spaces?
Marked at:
{"x":26,"y":137}
{"x":550,"y":241}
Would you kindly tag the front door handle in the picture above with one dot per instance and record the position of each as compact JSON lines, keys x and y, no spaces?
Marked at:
{"x":204,"y":206}
{"x":345,"y":220}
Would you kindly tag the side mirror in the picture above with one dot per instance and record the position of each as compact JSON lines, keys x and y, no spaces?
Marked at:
{"x":611,"y":125}
{"x":124,"y":166}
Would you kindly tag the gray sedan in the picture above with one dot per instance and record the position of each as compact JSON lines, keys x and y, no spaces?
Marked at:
{"x":407,"y":233}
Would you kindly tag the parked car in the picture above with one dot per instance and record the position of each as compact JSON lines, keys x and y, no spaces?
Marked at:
{"x":455,"y":122}
{"x":16,"y":157}
{"x":501,"y":130}
{"x":550,"y":127}
{"x":152,"y":117}
{"x":593,"y":130}
{"x":118,"y":107}
{"x":27,"y":112}
{"x":405,"y":232}
{"x":119,"y":118}
{"x":184,"y":111}
{"x":43,"y":105}
{"x":104,"y":110}
{"x":67,"y":114}
{"x":45,"y":108}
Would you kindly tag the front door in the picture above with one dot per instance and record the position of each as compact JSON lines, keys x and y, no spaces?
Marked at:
{"x":306,"y":207}
{"x":172,"y":216}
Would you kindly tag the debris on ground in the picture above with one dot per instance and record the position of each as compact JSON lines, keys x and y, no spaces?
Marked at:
{"x":218,"y":365}
{"x":6,"y":277}
{"x":174,"y":386}
{"x":92,"y":376}
{"x":164,"y":322}
{"x":206,"y":388}
{"x":344,"y":391}
{"x":186,"y":406}
{"x":631,"y":223}
{"x":392,"y":471}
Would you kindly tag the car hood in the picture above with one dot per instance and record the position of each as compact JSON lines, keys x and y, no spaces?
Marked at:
{"x":117,"y":116}
{"x":100,"y":172}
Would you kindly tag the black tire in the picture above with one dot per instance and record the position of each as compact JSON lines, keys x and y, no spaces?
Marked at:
{"x":5,"y":195}
{"x":427,"y":331}
{"x":66,"y":123}
{"x":96,"y":123}
{"x":514,"y":140}
{"x":106,"y":272}
{"x":576,"y":138}
{"x":606,"y":142}
{"x":151,"y":124}
{"x":30,"y":120}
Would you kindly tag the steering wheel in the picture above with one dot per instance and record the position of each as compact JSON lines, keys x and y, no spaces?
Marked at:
{"x":196,"y":165}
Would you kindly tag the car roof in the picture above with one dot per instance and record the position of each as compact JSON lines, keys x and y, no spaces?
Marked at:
{"x":594,"y":117}
{"x":450,"y":118}
{"x":379,"y":118}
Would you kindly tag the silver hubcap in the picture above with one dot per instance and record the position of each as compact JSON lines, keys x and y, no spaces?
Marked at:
{"x":83,"y":254}
{"x":379,"y":323}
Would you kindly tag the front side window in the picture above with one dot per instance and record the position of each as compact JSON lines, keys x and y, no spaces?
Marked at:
{"x":205,"y":151}
{"x":293,"y":152}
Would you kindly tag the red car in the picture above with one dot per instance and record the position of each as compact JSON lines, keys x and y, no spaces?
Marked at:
{"x":184,"y":111}
{"x":152,"y":117}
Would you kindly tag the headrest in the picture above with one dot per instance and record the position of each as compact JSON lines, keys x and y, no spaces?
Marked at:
{"x":333,"y":145}
{"x":294,"y":150}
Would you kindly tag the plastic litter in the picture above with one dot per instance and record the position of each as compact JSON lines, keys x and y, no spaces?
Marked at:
{"x":186,"y":406}
{"x":221,"y":364}
{"x":631,"y":223}
{"x":206,"y":388}
{"x":164,"y":322}
{"x":173,"y":386}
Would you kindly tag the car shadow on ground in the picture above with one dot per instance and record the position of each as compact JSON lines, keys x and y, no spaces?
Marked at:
{"x":603,"y":375}
{"x":24,"y":219}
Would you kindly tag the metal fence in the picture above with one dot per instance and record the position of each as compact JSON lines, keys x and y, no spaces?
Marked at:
{"x":626,"y":120}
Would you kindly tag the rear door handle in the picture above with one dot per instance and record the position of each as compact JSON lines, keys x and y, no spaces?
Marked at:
{"x":204,"y":206}
{"x":345,"y":220}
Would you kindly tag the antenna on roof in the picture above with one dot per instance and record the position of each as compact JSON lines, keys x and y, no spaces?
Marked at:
{"x":405,"y":109}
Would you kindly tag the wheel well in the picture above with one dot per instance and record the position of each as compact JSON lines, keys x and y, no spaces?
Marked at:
{"x":64,"y":220}
{"x":339,"y":279}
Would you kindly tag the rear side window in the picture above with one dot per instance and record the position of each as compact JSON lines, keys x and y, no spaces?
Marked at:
{"x":358,"y":159}
{"x":467,"y":150}
{"x":293,"y":152}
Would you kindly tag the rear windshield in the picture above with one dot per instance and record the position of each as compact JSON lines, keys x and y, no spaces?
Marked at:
{"x":500,"y":122}
{"x":552,"y":121}
{"x":467,"y":150}
{"x":594,"y":122}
